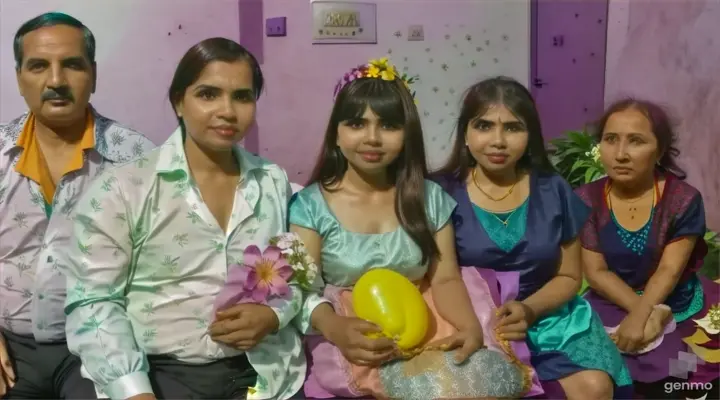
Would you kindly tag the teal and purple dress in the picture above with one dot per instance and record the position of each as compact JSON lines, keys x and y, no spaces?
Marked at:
{"x":634,"y":257}
{"x":528,"y":239}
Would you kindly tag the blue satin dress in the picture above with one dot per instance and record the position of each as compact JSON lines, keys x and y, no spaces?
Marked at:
{"x":528,"y":240}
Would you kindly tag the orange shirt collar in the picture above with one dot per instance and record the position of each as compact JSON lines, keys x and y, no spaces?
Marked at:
{"x":87,"y":142}
{"x":32,"y":164}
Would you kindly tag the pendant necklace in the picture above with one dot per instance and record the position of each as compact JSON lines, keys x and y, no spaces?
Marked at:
{"x":505,"y":196}
{"x":631,"y":208}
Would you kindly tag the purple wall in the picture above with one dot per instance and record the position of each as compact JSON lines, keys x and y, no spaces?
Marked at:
{"x":465,"y":41}
{"x":669,"y":52}
{"x":568,"y":62}
{"x":252,"y":31}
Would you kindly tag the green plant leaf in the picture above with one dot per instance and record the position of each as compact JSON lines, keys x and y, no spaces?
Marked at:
{"x":599,"y":166}
{"x":576,"y":182}
{"x":590,"y":174}
{"x":711,"y":238}
{"x":582,"y":139}
{"x":571,"y":134}
{"x":555,"y":145}
{"x":579,"y":164}
{"x":574,"y":150}
{"x":711,"y":262}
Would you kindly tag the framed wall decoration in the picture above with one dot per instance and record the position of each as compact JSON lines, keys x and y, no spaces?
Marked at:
{"x":342,"y":22}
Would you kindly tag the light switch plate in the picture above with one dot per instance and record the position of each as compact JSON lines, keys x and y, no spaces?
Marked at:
{"x":275,"y":26}
{"x":416,"y":33}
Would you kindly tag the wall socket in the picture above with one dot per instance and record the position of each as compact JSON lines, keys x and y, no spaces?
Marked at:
{"x":275,"y":26}
{"x":416,"y":33}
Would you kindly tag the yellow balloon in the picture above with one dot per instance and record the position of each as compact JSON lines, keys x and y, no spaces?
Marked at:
{"x":390,"y":301}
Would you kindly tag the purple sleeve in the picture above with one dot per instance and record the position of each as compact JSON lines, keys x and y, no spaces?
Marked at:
{"x":691,"y":221}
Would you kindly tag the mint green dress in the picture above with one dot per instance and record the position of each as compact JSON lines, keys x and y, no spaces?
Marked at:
{"x":346,"y":256}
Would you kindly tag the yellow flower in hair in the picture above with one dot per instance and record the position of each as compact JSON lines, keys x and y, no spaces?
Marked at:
{"x":388,"y":74}
{"x":381,"y":63}
{"x":373,"y":71}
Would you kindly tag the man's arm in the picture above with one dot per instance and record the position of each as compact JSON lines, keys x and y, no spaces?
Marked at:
{"x":99,"y":262}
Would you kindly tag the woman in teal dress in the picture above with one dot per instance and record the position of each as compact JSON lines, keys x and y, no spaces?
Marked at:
{"x":515,"y":213}
{"x":368,"y":206}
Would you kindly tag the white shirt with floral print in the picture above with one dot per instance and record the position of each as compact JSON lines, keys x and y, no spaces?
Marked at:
{"x":148,"y":260}
{"x":32,"y":287}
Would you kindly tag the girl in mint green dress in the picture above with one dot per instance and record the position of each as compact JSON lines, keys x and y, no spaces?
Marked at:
{"x":368,"y":206}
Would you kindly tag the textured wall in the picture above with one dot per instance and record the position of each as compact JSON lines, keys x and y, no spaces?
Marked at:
{"x":465,"y":40}
{"x":669,"y":52}
{"x":141,"y":41}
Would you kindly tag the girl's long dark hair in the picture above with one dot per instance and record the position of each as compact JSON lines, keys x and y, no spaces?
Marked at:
{"x":662,"y":127}
{"x":477,"y":100}
{"x":392,"y":102}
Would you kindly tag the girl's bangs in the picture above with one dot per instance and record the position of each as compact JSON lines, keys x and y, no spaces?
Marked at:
{"x":383,"y":98}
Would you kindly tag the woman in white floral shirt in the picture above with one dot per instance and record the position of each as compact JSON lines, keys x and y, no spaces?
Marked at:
{"x":155,"y":239}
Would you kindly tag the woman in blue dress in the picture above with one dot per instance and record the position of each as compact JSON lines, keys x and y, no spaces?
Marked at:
{"x":643,"y":246}
{"x":515,"y":213}
{"x":369,"y":206}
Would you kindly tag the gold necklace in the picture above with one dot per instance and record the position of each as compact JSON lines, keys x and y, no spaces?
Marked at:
{"x":507,"y":220}
{"x":474,"y":178}
{"x":633,"y":209}
{"x":635,"y":200}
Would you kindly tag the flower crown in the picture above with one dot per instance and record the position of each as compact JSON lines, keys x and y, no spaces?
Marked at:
{"x":379,"y":69}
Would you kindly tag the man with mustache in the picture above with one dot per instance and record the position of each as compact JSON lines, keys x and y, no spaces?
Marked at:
{"x":47,"y":159}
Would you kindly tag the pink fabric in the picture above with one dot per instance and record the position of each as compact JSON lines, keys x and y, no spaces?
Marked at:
{"x":330,"y":374}
{"x":504,"y":287}
{"x":328,"y":367}
{"x":328,"y":371}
